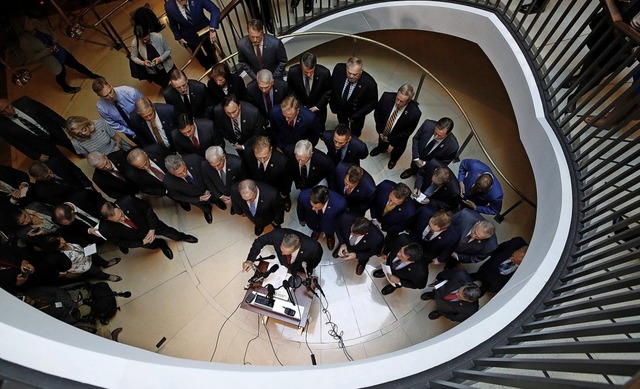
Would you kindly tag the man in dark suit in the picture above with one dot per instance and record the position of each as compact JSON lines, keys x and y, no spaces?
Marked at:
{"x":396,"y":116}
{"x":77,"y":225}
{"x":187,"y":96}
{"x":311,"y":84}
{"x":266,"y":92}
{"x":238,"y":122}
{"x":480,"y":190}
{"x":131,"y":222}
{"x":477,"y":238}
{"x":359,"y":239}
{"x":320,"y":208}
{"x":439,"y":186}
{"x":357,"y":186}
{"x":220,"y":171}
{"x":110,"y":174}
{"x":259,"y":202}
{"x":436,"y":234}
{"x":292,"y":248}
{"x":185,"y":183}
{"x":354,"y":94}
{"x":498,"y":269}
{"x":309,"y":166}
{"x":153,"y":123}
{"x":186,"y":18}
{"x":291,"y":123}
{"x":267,"y":165}
{"x":148,"y":169}
{"x":432,"y":141}
{"x":195,"y":136}
{"x":258,"y":51}
{"x":457,"y":298}
{"x":392,"y":208}
{"x":14,"y":186}
{"x":407,"y":268}
{"x":342,"y":147}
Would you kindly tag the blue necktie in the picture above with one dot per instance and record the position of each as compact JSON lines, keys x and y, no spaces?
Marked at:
{"x":191,"y":180}
{"x":252,"y":208}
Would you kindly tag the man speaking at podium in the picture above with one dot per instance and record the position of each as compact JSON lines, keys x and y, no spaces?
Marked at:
{"x":292,"y":248}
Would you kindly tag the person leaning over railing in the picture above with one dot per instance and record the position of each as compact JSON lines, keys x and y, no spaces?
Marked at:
{"x":151,"y":50}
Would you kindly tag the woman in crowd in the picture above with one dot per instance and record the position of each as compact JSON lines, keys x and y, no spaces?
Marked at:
{"x":77,"y":263}
{"x":222,"y":83}
{"x":95,"y":135}
{"x":151,"y":50}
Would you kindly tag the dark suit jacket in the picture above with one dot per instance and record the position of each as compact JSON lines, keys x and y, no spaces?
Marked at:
{"x":235,"y":86}
{"x":54,"y":192}
{"x":141,"y":213}
{"x":447,"y":197}
{"x":274,"y":56}
{"x":14,"y":177}
{"x":477,"y":250}
{"x":356,"y":149}
{"x":167,"y":115}
{"x":414,"y":275}
{"x":489,"y":202}
{"x":319,"y":168}
{"x":441,"y":246}
{"x":212,"y":178}
{"x":252,"y":123}
{"x":306,"y":126}
{"x":320,"y":89}
{"x":326,"y":223}
{"x":489,"y":272}
{"x":399,"y":218}
{"x":181,"y":190}
{"x":184,"y":29}
{"x":361,"y":197}
{"x":207,"y":137}
{"x":405,"y":124}
{"x":310,"y":250}
{"x":270,"y":207}
{"x":363,"y":100}
{"x":198,"y":97}
{"x":29,"y":144}
{"x":113,"y":186}
{"x":276,"y":173}
{"x":445,"y":151}
{"x":148,"y":183}
{"x":454,"y":310}
{"x":371,"y":243}
{"x":257,"y":99}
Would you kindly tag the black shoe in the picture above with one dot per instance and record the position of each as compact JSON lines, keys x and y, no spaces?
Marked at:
{"x":331,"y":241}
{"x":426,"y":296}
{"x":375,"y":151}
{"x":287,"y":203}
{"x":115,"y":333}
{"x":388,"y":289}
{"x":167,"y":251}
{"x":220,"y":204}
{"x":113,"y":262}
{"x":407,"y":173}
{"x":378,"y":273}
{"x":232,"y":211}
{"x":359,"y":269}
{"x":185,"y":206}
{"x":189,"y":239}
{"x":73,"y":90}
{"x":531,"y":8}
{"x":125,"y":250}
{"x":391,"y":164}
{"x":208,"y":217}
{"x":258,"y":230}
{"x":335,"y":252}
{"x":434,"y":315}
{"x":94,"y":76}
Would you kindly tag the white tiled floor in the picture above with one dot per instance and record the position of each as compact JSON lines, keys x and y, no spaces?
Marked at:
{"x":188,"y":300}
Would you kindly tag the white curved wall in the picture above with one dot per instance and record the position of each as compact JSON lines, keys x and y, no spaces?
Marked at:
{"x":52,"y":347}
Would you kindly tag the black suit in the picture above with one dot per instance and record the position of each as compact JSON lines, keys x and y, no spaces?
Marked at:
{"x":447,"y":196}
{"x":182,"y":191}
{"x":403,"y":127}
{"x":207,"y":137}
{"x":276,"y":172}
{"x":362,"y":101}
{"x":167,"y":115}
{"x":454,"y":310}
{"x":66,"y":188}
{"x":255,"y":94}
{"x":319,"y":94}
{"x":116,"y":184}
{"x":489,"y":273}
{"x":361,"y":197}
{"x":77,"y":231}
{"x":235,"y":86}
{"x":310,"y":250}
{"x":396,"y":220}
{"x":274,"y":56}
{"x":148,"y":183}
{"x":355,"y":150}
{"x":140,"y":213}
{"x":445,"y":151}
{"x":269,"y":209}
{"x":415,"y":274}
{"x":14,"y":178}
{"x":369,"y":245}
{"x":439,"y":247}
{"x":198,"y":99}
{"x":251,"y":123}
{"x":319,"y":167}
{"x":473,"y":251}
{"x":212,"y":177}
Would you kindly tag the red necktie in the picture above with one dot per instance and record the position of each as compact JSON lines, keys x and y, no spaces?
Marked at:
{"x":195,"y":142}
{"x":259,"y":54}
{"x":130,"y":223}
{"x":290,"y":122}
{"x":288,"y":258}
{"x":451,"y":296}
{"x":267,"y":98}
{"x":157,"y":172}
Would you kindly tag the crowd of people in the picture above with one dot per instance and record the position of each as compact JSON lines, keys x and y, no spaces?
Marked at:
{"x":243,"y":149}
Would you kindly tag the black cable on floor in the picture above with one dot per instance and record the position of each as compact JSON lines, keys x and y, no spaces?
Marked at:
{"x":220,"y":331}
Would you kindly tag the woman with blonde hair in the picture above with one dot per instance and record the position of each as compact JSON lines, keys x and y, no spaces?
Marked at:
{"x":94,"y":135}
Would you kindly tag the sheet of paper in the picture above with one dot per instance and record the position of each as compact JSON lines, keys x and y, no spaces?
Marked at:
{"x":91,"y":249}
{"x":387,"y":272}
{"x":420,"y":197}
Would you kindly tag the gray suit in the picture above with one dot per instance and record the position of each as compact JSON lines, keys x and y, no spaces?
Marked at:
{"x":477,"y":250}
{"x":274,"y":56}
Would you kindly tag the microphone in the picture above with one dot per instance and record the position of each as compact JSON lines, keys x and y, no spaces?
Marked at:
{"x":287,"y":287}
{"x":261,"y":276}
{"x":270,"y":292}
{"x":267,"y":257}
{"x":304,"y":266}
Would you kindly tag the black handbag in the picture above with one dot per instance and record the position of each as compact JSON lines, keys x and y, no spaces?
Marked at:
{"x":138,"y":71}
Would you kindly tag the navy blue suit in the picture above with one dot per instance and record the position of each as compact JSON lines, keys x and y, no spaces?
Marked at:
{"x":182,"y":191}
{"x":362,"y":101}
{"x":396,"y":220}
{"x":439,"y":247}
{"x":355,"y":150}
{"x":207,"y":137}
{"x":415,"y":274}
{"x":320,"y":89}
{"x":188,"y":30}
{"x":454,"y":310}
{"x":361,"y":197}
{"x":212,"y":177}
{"x":274,"y":56}
{"x":478,"y":250}
{"x":445,"y":151}
{"x":401,"y":129}
{"x":319,"y":167}
{"x":447,"y":196}
{"x":279,"y":90}
{"x":270,"y":208}
{"x":306,"y":126}
{"x":326,"y":223}
{"x":489,"y":272}
{"x":167,"y":115}
{"x":371,"y":243}
{"x":310,"y":251}
{"x":489,"y":202}
{"x":276,"y":171}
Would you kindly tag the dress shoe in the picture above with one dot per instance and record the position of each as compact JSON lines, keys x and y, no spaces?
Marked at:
{"x":115,"y":333}
{"x":232,"y":211}
{"x":287,"y":203}
{"x":388,"y":289}
{"x":73,"y":90}
{"x":391,"y":164}
{"x":378,"y":273}
{"x":426,"y":296}
{"x":331,"y":241}
{"x":375,"y":151}
{"x":208,"y":217}
{"x":531,"y":8}
{"x":335,"y":252}
{"x":434,"y":315}
{"x":114,"y":278}
{"x":220,"y":204}
{"x":407,"y":173}
{"x":114,"y":262}
{"x":167,"y":251}
{"x":189,"y":239}
{"x":359,"y":269}
{"x":258,"y":230}
{"x":124,"y":250}
{"x":315,"y":235}
{"x":185,"y":206}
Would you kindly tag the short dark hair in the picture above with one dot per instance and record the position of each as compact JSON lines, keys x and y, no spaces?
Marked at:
{"x":140,"y":31}
{"x":308,"y":60}
{"x":184,"y":120}
{"x":445,"y":122}
{"x":255,"y":24}
{"x":319,"y":194}
{"x":177,"y":74}
{"x":38,"y":170}
{"x":401,"y":191}
{"x":471,"y":292}
{"x":361,"y":226}
{"x":413,"y":251}
{"x":231,"y":98}
{"x":355,"y":174}
{"x":107,"y":209}
{"x":51,"y":243}
{"x":342,"y":129}
{"x":220,"y":70}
